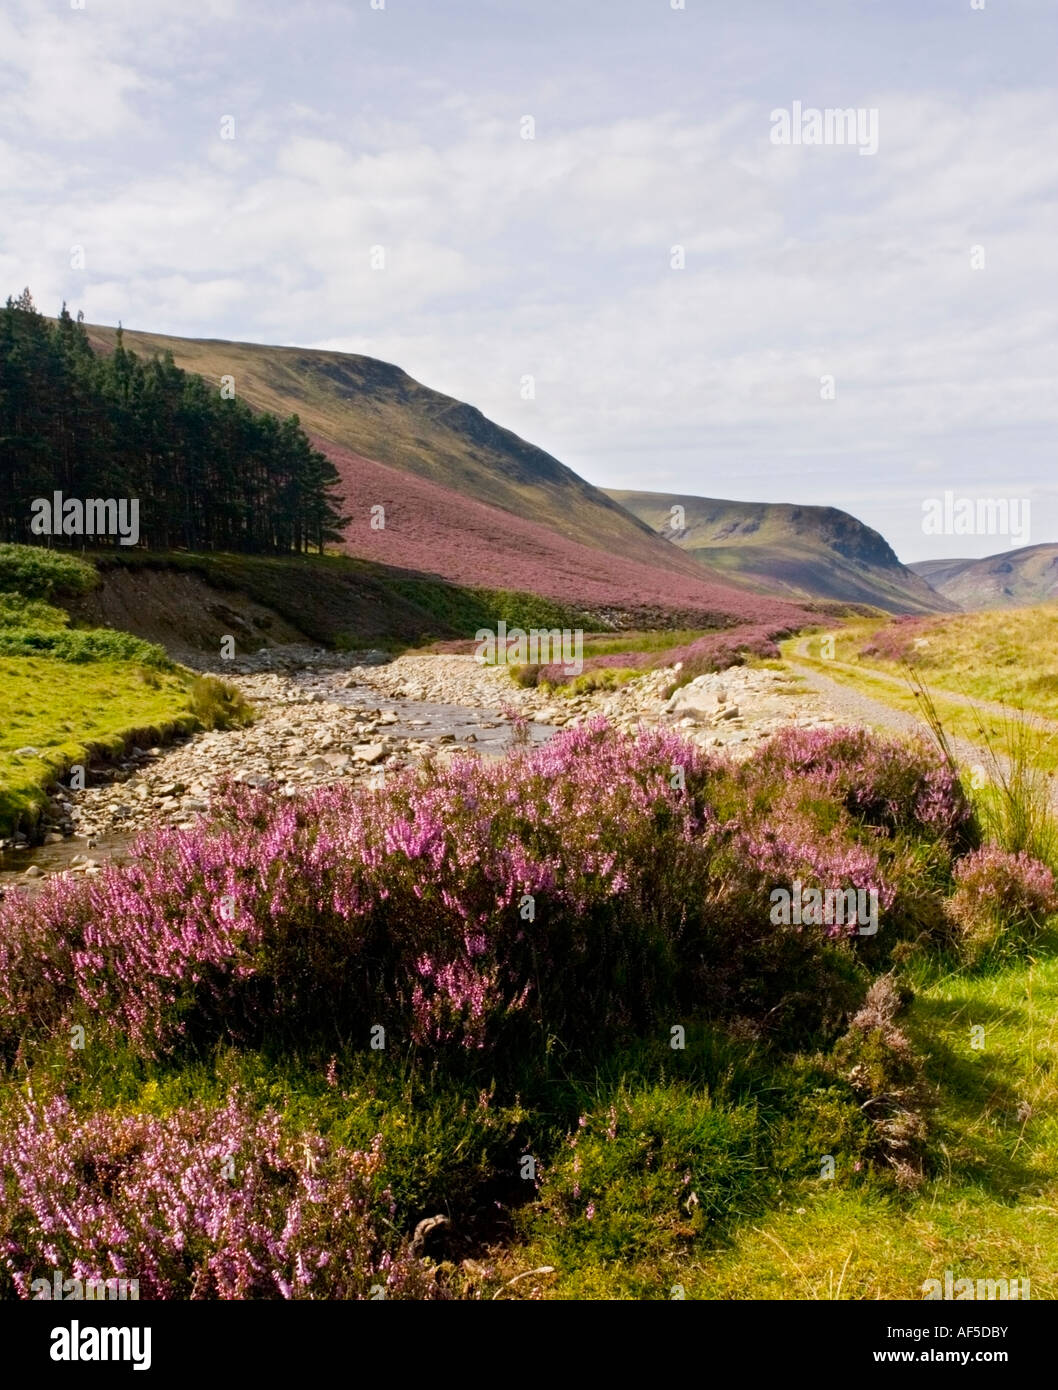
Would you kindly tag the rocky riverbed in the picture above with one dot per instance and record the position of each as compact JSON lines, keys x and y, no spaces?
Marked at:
{"x":326,"y":717}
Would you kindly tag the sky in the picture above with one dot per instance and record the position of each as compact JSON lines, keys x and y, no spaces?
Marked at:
{"x":581,"y":218}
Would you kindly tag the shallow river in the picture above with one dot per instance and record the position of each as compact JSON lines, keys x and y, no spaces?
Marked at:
{"x":447,"y":723}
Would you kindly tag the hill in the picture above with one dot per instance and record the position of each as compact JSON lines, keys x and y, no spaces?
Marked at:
{"x":1008,"y":580}
{"x":465,"y":499}
{"x":781,"y":548}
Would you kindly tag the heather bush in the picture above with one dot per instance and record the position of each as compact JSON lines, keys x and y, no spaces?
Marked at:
{"x":901,"y":640}
{"x":203,"y":1203}
{"x":878,"y":1061}
{"x":573,"y":892}
{"x":1001,"y":901}
{"x":649,"y":1160}
{"x":591,"y":888}
{"x":892,"y":786}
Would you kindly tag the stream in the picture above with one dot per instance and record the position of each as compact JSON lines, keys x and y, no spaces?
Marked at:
{"x":418,"y":726}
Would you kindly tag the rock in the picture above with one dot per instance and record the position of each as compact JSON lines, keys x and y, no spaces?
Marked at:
{"x":369,"y":752}
{"x":26,"y":752}
{"x":52,"y":838}
{"x":728,"y":712}
{"x":430,"y":1228}
{"x":33,"y":871}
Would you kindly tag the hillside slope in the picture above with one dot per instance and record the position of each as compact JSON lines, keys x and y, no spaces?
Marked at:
{"x":780,"y":548}
{"x":375,"y":410}
{"x":464,"y":499}
{"x":1008,"y":580}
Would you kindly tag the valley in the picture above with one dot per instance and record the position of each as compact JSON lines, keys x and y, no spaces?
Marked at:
{"x":483,"y":954}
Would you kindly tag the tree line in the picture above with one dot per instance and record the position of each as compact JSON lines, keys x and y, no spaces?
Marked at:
{"x":209,"y":473}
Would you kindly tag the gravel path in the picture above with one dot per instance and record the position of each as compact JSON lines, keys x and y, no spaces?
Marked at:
{"x":992,"y":708}
{"x":854,"y":707}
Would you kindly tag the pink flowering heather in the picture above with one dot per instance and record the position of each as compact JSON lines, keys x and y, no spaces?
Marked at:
{"x":445,"y":904}
{"x":797,"y":850}
{"x":1001,"y":899}
{"x":881,"y":782}
{"x":573,"y":890}
{"x":201,"y":1204}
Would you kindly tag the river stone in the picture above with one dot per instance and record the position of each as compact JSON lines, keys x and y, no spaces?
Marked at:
{"x":369,"y":752}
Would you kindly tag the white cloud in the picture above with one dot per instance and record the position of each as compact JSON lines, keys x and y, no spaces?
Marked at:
{"x":550,"y":257}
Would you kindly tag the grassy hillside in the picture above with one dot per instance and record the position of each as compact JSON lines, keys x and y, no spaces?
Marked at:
{"x":464,"y":500}
{"x":1010,"y":579}
{"x":993,"y":676}
{"x":1008,"y":657}
{"x":802,"y":552}
{"x":375,"y":409}
{"x":70,"y":694}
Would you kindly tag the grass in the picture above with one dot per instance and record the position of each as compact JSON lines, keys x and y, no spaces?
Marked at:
{"x":1006,"y":656}
{"x":603,"y":644}
{"x":68,"y":712}
{"x":889,"y":684}
{"x":695,"y":1172}
{"x":598,"y":678}
{"x":768,"y":1225}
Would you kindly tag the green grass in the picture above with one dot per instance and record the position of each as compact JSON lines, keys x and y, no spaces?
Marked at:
{"x":36,"y":572}
{"x":696,"y":1170}
{"x":73,"y":712}
{"x":767,"y":1224}
{"x":67,"y":711}
{"x":889,"y":684}
{"x":1007,"y":656}
{"x":601,"y":678}
{"x":602,"y":644}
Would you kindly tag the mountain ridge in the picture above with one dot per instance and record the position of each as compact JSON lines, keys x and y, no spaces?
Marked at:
{"x":1008,"y":579}
{"x":804,"y":552}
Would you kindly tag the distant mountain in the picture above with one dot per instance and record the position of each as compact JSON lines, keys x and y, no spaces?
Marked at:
{"x":1007,"y":580}
{"x":463,"y":498}
{"x":781,"y":548}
